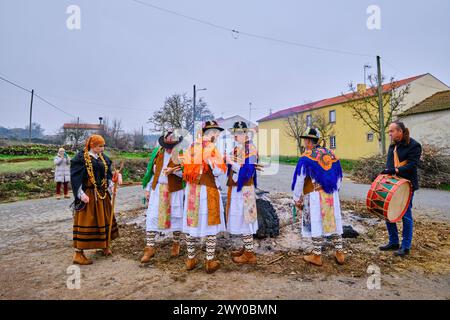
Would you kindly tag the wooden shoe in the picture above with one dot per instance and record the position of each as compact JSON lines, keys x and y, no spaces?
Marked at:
{"x":211,"y":266}
{"x":237,"y":253}
{"x":149,"y":252}
{"x":315,"y":259}
{"x":340,"y":257}
{"x":80,"y":258}
{"x":248,"y":257}
{"x":191,"y":263}
{"x":175,"y":252}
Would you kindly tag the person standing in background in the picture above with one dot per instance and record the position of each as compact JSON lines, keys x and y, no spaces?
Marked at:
{"x":62,"y":173}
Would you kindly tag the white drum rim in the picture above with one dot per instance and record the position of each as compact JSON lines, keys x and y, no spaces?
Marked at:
{"x":399,"y":200}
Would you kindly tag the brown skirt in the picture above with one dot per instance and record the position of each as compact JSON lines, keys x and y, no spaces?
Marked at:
{"x":91,"y":225}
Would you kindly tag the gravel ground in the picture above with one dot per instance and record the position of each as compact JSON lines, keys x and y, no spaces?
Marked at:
{"x":35,"y":250}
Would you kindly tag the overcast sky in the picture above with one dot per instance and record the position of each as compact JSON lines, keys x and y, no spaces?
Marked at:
{"x":127,"y":58}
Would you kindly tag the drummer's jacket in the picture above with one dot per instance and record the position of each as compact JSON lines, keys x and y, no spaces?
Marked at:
{"x":408,"y":153}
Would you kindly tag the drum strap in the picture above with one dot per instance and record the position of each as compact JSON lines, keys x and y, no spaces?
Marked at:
{"x":397,"y":162}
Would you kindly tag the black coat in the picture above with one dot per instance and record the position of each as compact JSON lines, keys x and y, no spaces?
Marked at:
{"x":410,"y":152}
{"x":79,"y":175}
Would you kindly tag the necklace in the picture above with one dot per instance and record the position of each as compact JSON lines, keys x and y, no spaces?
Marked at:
{"x":90,"y":171}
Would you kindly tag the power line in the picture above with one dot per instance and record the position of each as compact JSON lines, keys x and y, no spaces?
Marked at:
{"x":97,"y":104}
{"x":54,"y":106}
{"x":37,"y":96}
{"x":236,"y":33}
{"x":404,"y":74}
{"x":15,"y":84}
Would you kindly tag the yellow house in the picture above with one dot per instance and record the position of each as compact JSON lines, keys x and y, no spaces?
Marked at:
{"x":350,"y":138}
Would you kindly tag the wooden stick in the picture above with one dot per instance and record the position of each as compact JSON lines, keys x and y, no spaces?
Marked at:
{"x":275,"y":260}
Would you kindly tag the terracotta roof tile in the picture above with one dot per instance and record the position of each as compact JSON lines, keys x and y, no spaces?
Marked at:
{"x":437,"y":102}
{"x":331,"y":101}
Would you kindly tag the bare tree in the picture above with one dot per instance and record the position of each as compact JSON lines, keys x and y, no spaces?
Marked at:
{"x":325,"y":127}
{"x":138,"y":140}
{"x":364,"y":103}
{"x":114,"y":135}
{"x":177,"y":112}
{"x":295,"y":127}
{"x":75,"y":136}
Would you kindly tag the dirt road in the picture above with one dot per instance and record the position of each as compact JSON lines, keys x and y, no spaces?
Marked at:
{"x":35,"y":250}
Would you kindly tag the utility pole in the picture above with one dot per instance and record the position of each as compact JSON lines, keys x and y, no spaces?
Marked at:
{"x":249,"y":113}
{"x":380,"y":107}
{"x":31,"y":115}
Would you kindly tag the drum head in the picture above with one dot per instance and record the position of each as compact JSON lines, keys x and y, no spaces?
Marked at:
{"x":399,"y":201}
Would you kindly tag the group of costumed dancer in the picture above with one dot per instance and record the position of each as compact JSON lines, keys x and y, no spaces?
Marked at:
{"x":183,"y":192}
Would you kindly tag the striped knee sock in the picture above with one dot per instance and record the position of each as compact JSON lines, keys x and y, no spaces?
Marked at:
{"x":248,"y":242}
{"x":190,"y":243}
{"x":151,"y":238}
{"x":337,"y":242}
{"x":210,"y":247}
{"x":317,"y":245}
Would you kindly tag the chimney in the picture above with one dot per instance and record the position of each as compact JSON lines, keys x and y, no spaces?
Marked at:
{"x":361,"y":88}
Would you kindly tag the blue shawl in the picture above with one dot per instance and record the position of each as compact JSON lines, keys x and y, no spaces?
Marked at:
{"x":321,"y":165}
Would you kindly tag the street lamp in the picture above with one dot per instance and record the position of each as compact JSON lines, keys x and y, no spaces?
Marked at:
{"x":193,"y":113}
{"x":366,"y":66}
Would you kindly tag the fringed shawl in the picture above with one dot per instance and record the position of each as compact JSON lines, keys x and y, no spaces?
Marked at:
{"x":248,"y":168}
{"x":321,"y":165}
{"x":197,"y":158}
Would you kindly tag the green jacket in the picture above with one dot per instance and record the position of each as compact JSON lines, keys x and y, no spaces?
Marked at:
{"x":149,"y":173}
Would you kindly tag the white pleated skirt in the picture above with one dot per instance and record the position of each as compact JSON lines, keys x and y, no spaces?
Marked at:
{"x":236,"y":221}
{"x":202,"y":229}
{"x":313,"y":228}
{"x":176,"y":214}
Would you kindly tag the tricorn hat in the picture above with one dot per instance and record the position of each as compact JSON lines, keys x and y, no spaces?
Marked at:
{"x":168,"y":141}
{"x":311,"y":133}
{"x":211,"y":124}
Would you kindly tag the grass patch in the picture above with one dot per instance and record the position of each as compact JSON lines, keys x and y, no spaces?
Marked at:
{"x":445,"y":187}
{"x":348,"y":165}
{"x":35,"y":156}
{"x":17,"y":167}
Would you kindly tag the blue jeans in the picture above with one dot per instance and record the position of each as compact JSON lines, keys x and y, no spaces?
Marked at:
{"x":407,"y":228}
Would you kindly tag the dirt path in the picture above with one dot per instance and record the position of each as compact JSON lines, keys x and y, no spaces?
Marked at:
{"x":35,"y":250}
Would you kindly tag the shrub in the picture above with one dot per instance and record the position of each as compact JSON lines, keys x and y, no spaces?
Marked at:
{"x":434,"y":168}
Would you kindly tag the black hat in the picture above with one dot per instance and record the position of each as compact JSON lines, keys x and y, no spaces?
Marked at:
{"x":167,"y":142}
{"x":311,"y":133}
{"x":239,"y":126}
{"x":211,"y":124}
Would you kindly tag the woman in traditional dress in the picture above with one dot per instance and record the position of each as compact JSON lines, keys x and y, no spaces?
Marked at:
{"x":92,"y":185}
{"x":315,"y":185}
{"x":241,"y":201}
{"x":203,"y":208}
{"x":164,"y":188}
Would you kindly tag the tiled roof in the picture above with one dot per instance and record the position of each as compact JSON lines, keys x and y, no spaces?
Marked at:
{"x":85,"y":126}
{"x":335,"y":100}
{"x":437,"y":102}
